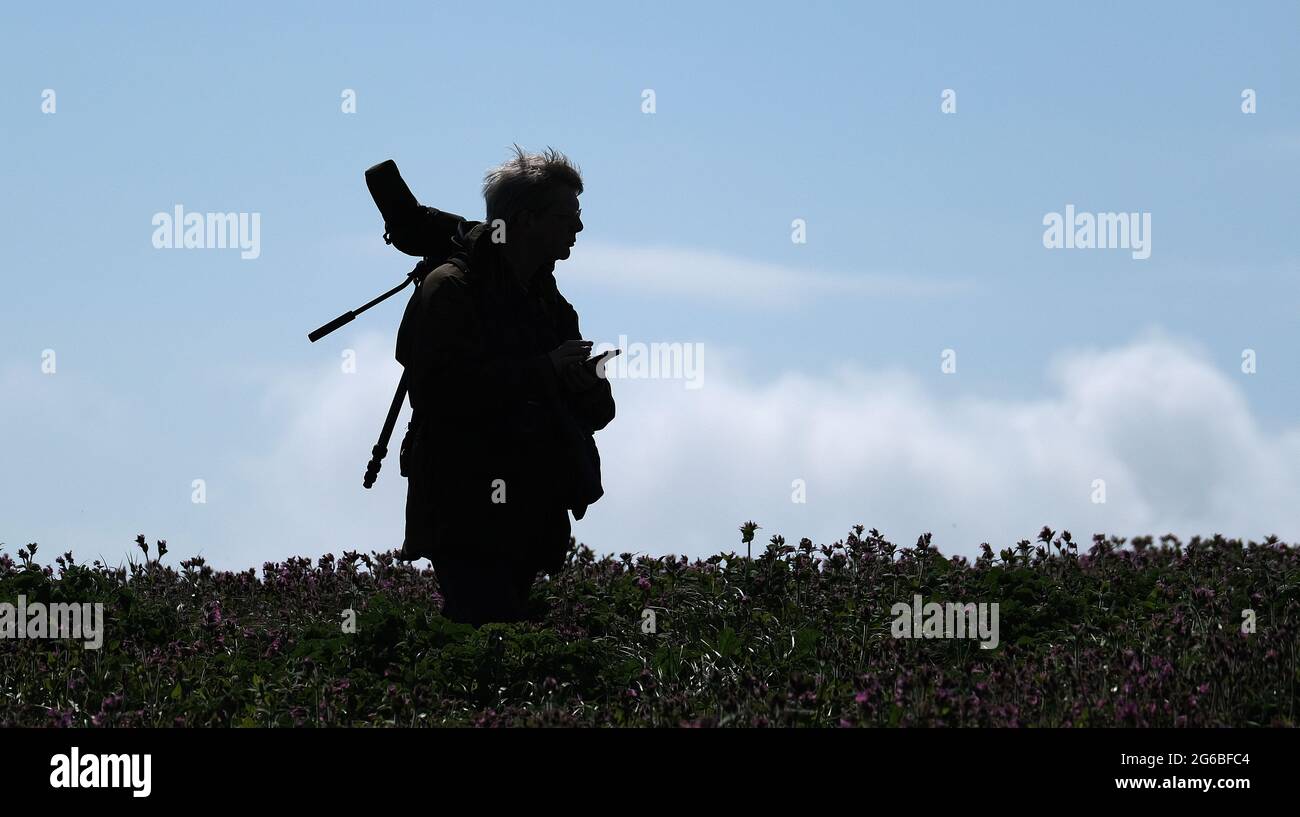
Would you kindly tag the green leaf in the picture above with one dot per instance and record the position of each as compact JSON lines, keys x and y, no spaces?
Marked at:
{"x":728,"y":643}
{"x":805,"y":642}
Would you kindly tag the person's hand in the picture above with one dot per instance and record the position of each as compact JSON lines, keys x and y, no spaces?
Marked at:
{"x":569,"y":353}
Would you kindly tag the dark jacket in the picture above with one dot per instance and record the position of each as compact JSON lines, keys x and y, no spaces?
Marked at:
{"x":487,"y":405}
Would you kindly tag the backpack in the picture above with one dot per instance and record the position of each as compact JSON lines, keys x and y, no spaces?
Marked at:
{"x":380,"y":449}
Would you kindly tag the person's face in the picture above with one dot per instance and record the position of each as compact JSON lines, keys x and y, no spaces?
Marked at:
{"x":556,"y":223}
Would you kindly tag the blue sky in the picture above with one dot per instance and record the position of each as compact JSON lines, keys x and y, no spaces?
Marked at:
{"x":822,"y":359}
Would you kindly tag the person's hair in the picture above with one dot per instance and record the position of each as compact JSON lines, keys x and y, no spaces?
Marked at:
{"x":522,"y":181}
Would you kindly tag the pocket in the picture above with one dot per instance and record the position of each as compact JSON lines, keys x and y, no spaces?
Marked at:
{"x":408,"y":453}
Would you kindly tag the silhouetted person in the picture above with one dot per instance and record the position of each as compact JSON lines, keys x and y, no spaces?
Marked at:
{"x":503,"y":404}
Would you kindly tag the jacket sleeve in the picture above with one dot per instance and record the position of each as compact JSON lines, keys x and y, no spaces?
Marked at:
{"x":593,"y":408}
{"x":441,"y":346}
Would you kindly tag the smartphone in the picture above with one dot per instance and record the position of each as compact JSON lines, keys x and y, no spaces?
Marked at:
{"x":596,"y":361}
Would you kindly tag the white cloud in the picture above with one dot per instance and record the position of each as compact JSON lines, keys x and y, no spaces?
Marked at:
{"x":717,"y":276}
{"x":1172,"y":437}
{"x":303,"y":495}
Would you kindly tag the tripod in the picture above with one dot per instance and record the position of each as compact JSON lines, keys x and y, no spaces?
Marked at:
{"x":380,"y":450}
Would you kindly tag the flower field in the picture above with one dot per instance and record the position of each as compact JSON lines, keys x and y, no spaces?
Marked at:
{"x":1125,"y":633}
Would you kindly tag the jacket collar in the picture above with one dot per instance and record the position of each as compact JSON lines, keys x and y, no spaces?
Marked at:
{"x":475,"y":240}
